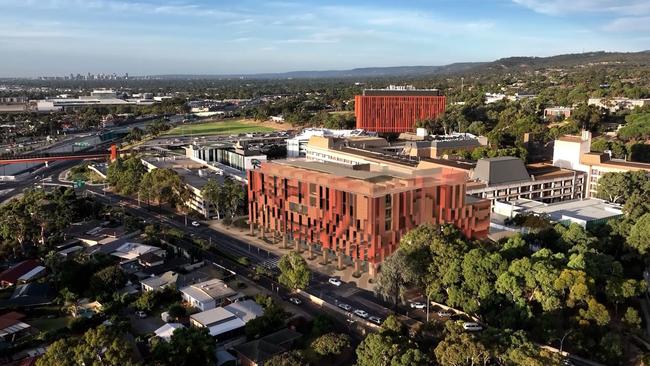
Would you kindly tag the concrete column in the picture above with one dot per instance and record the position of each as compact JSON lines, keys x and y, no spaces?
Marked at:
{"x":252,"y":228}
{"x":356,"y":265}
{"x":339,"y":261}
{"x":284,"y":241}
{"x":372,"y":270}
{"x":310,"y":251}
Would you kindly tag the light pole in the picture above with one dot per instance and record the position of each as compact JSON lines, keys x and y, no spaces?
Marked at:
{"x":428,"y":296}
{"x":562,"y":340}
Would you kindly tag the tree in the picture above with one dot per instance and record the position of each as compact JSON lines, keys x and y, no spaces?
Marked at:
{"x":377,"y":350}
{"x":125,"y":175}
{"x":187,"y":347}
{"x":108,"y":280}
{"x":59,"y":353}
{"x":392,"y":280}
{"x":631,"y":318}
{"x":289,"y":358}
{"x":177,"y":310}
{"x":331,"y":344}
{"x":97,"y":347}
{"x":459,"y":348}
{"x":639,"y":238}
{"x":294,"y":273}
{"x":212,"y":194}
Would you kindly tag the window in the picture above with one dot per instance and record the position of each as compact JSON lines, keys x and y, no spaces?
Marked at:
{"x":388,"y":215}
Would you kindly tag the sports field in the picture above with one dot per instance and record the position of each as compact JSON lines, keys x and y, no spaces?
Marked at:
{"x":225,"y":127}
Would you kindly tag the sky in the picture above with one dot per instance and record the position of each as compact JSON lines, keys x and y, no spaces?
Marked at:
{"x":147,"y":37}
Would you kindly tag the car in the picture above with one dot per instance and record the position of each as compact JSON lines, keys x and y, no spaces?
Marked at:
{"x":472,"y":327}
{"x":196,"y":224}
{"x":567,"y":362}
{"x":335,"y":281}
{"x":345,"y":306}
{"x":140,"y":314}
{"x":361,"y":313}
{"x":295,"y":300}
{"x":445,"y":314}
{"x":418,"y":305}
{"x":375,"y":319}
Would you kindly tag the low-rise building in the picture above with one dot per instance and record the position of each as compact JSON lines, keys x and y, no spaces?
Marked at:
{"x":155,"y":283}
{"x":208,"y":294}
{"x":134,"y":251}
{"x":228,"y":321}
{"x":257,"y":352}
{"x":297,"y":145}
{"x":557,"y":112}
{"x":573,"y":152}
{"x":232,"y":155}
{"x":11,"y":276}
{"x":438,"y":146}
{"x":587,"y":213}
{"x":617,"y":104}
{"x":166,"y":331}
{"x":12,"y":328}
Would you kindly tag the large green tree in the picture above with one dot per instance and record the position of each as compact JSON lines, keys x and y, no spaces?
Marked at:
{"x":187,"y":347}
{"x":294,"y":272}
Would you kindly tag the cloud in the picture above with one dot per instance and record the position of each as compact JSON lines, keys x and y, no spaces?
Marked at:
{"x":629,"y":24}
{"x":560,"y":7}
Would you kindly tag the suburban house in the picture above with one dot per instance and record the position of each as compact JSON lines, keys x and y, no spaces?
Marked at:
{"x":12,"y":328}
{"x":165,"y":332}
{"x":134,"y":251}
{"x":228,"y":321}
{"x":24,"y":269}
{"x":257,"y":352}
{"x":208,"y":294}
{"x":155,"y":283}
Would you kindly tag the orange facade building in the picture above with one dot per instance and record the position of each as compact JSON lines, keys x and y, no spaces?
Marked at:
{"x":396,"y":110}
{"x":356,"y":215}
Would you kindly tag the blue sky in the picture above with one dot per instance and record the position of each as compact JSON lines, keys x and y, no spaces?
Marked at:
{"x":57,"y":37}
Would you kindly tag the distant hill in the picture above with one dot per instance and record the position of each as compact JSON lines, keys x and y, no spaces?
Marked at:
{"x":504,"y":64}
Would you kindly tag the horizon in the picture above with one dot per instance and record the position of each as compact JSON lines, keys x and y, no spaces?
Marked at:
{"x":201,"y":37}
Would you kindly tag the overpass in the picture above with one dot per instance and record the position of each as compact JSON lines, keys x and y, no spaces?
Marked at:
{"x":58,"y":156}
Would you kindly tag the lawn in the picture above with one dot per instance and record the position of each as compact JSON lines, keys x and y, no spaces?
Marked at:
{"x":226,"y":127}
{"x":44,"y":324}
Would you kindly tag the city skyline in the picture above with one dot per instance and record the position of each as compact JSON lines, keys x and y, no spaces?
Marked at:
{"x":208,"y":37}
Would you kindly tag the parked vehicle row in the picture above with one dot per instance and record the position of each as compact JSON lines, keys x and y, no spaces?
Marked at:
{"x":360,"y":313}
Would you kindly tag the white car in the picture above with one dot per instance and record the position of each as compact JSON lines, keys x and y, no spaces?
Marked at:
{"x":472,"y":327}
{"x":375,"y":319}
{"x":196,"y":224}
{"x":418,"y":305}
{"x":361,"y":313}
{"x":345,"y":306}
{"x":444,"y":314}
{"x":140,"y":314}
{"x":295,"y":301}
{"x":335,"y":281}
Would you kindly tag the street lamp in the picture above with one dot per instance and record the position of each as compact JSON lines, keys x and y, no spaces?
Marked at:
{"x":562,"y":340}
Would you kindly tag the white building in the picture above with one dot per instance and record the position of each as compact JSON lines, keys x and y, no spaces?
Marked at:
{"x":233,"y":156}
{"x":208,"y":294}
{"x":155,"y":283}
{"x":131,"y":251}
{"x":228,"y":321}
{"x":297,"y":146}
{"x":166,"y":331}
{"x":568,"y":150}
{"x":616,"y":104}
{"x":494,"y":97}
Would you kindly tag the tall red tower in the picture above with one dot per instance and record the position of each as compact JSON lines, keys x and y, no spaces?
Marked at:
{"x":396,"y":109}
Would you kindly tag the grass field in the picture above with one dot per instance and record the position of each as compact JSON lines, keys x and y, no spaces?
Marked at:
{"x":226,"y":127}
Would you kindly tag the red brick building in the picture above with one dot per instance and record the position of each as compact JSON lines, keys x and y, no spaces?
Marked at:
{"x":396,"y":110}
{"x":356,"y":215}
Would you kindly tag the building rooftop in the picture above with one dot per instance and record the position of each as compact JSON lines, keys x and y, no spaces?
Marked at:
{"x":133,"y":250}
{"x":245,"y":310}
{"x":163,"y":280}
{"x":504,"y":169}
{"x":583,"y":210}
{"x":209,"y":290}
{"x":165,"y":332}
{"x":11,"y":275}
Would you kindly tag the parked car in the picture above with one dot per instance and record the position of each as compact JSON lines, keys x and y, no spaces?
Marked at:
{"x":418,"y":305}
{"x":295,"y":300}
{"x":361,"y":313}
{"x":375,"y":319}
{"x":445,"y":314}
{"x":140,"y":314}
{"x":345,"y":306}
{"x":196,"y":224}
{"x":472,"y":327}
{"x":335,"y":281}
